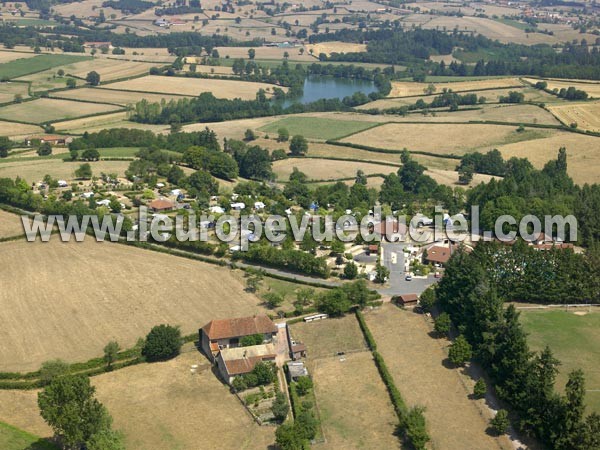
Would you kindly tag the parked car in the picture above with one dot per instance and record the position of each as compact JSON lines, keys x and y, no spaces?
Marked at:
{"x":408,"y":277}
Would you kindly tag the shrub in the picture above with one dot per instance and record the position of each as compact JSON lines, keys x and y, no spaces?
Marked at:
{"x":304,"y":385}
{"x":280,"y":407}
{"x":460,"y":351}
{"x":253,"y":339}
{"x":162,"y":343}
{"x":500,"y":422}
{"x":442,"y":324}
{"x":480,"y":388}
{"x":415,"y":428}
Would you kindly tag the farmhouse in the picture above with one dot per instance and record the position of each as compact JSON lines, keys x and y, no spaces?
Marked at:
{"x":51,"y":139}
{"x":232,"y":362}
{"x":161,"y":204}
{"x":218,"y":335}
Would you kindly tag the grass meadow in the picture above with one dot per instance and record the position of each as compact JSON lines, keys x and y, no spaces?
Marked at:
{"x":574,"y":337}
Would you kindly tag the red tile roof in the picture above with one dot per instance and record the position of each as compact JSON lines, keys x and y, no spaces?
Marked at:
{"x":245,"y":365}
{"x":161,"y":204}
{"x":438,"y":254}
{"x":245,"y":326}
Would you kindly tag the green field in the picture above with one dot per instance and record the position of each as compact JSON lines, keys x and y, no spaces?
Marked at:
{"x":12,"y":438}
{"x":575,"y":341}
{"x":514,"y":23}
{"x":20,"y":67}
{"x":118,"y":152}
{"x":317,"y":127}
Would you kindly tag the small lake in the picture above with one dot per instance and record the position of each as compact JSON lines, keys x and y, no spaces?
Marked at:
{"x":317,"y":87}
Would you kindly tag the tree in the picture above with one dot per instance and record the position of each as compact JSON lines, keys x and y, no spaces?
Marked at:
{"x":334,"y":302}
{"x":382,"y":273}
{"x":69,"y":407}
{"x":71,"y":83}
{"x":106,"y":439}
{"x":18,"y":98}
{"x":84,"y":172}
{"x":303,"y":385}
{"x":110,"y":353}
{"x":298,"y":145}
{"x":428,"y":299}
{"x":273,"y":299}
{"x":351,"y":271}
{"x":287,"y":438}
{"x":93,"y":78}
{"x":283,"y":135}
{"x":480,"y":388}
{"x":253,"y":339}
{"x":251,"y":53}
{"x":162,"y":343}
{"x":45,"y":149}
{"x":253,"y":282}
{"x":74,"y":154}
{"x":500,"y":422}
{"x":442,"y":324}
{"x":5,"y":146}
{"x":415,"y":428}
{"x":53,"y":369}
{"x":176,"y":175}
{"x":460,"y":351}
{"x":280,"y":407}
{"x":91,"y":154}
{"x":249,"y":135}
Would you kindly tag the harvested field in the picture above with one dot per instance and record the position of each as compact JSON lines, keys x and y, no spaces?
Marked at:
{"x":9,"y":90}
{"x":564,"y":333}
{"x":153,"y":404}
{"x":582,"y":154}
{"x":48,"y":110}
{"x":275,"y":53}
{"x":415,"y":360}
{"x":18,"y":130}
{"x":585,"y":115}
{"x":335,"y":47}
{"x":97,"y":123}
{"x":491,"y":96}
{"x":591,"y":87}
{"x":450,"y":177}
{"x":10,"y":225}
{"x":355,"y":413}
{"x":233,"y":129}
{"x":408,"y":88}
{"x":7,"y":56}
{"x":104,"y":292}
{"x":109,"y":69}
{"x":443,"y":138}
{"x":35,"y":169}
{"x":193,"y":86}
{"x":109,"y":96}
{"x":322,"y":169}
{"x":317,"y":127}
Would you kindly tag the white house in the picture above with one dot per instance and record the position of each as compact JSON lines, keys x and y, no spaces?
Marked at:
{"x":216,"y":210}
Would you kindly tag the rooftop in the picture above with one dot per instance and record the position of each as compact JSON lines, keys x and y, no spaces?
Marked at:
{"x":244,"y":326}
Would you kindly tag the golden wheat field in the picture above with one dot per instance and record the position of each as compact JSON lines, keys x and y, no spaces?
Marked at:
{"x":96,"y":292}
{"x":141,"y":399}
{"x":48,"y":110}
{"x":323,"y":169}
{"x":443,"y":138}
{"x":585,"y":115}
{"x":335,"y":47}
{"x":409,"y":88}
{"x":113,"y":96}
{"x":193,"y":86}
{"x":591,"y":87}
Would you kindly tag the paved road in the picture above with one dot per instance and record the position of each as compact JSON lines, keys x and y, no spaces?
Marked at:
{"x":395,"y":261}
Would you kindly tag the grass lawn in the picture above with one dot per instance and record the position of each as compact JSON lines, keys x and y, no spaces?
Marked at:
{"x":21,"y":67}
{"x":118,"y":152}
{"x":12,"y":438}
{"x":317,"y":128}
{"x":575,"y":341}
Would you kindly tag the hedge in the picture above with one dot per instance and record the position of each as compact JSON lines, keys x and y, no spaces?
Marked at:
{"x":367,"y":333}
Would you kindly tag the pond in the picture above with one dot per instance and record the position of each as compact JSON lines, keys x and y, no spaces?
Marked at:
{"x":317,"y":87}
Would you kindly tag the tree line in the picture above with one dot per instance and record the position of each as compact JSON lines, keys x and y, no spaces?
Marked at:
{"x":473,"y":298}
